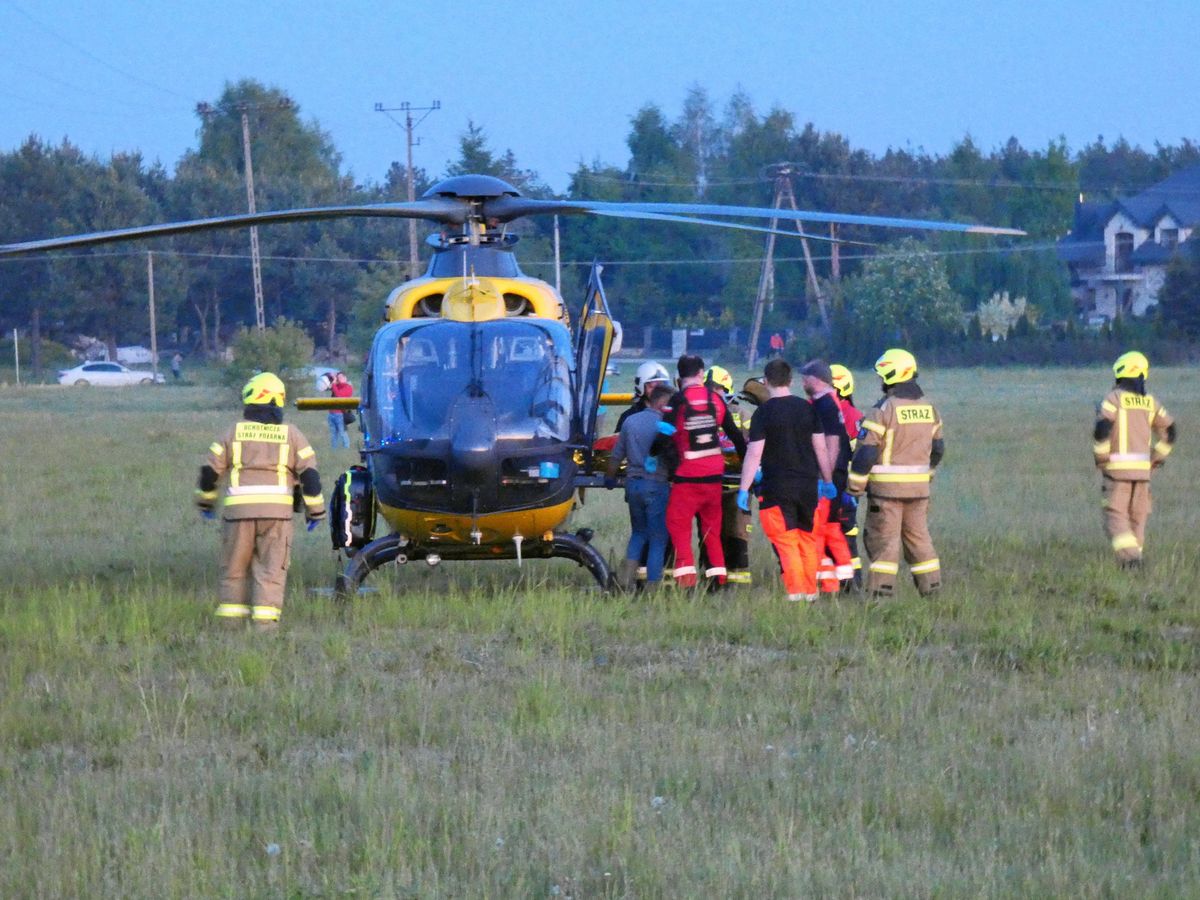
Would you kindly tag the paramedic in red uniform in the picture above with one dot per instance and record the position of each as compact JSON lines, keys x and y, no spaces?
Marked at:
{"x":698,"y":416}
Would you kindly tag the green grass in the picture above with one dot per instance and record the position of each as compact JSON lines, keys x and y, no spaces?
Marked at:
{"x":479,"y":730}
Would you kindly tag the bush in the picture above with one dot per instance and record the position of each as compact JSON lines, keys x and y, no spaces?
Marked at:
{"x":54,"y":356}
{"x":283,"y":348}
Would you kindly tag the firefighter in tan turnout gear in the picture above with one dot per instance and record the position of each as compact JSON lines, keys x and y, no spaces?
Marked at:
{"x":1134,"y":434}
{"x":899,"y":445}
{"x":265,"y":460}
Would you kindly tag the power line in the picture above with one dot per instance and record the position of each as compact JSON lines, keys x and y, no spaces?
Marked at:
{"x":131,"y":76}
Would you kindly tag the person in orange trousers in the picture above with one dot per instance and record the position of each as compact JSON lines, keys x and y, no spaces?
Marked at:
{"x":787,"y":441}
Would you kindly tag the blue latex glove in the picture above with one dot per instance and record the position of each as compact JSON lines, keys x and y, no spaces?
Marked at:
{"x":666,"y":428}
{"x":826,"y":490}
{"x":207,"y":514}
{"x":849,"y":501}
{"x":313,"y":523}
{"x":758,"y":477}
{"x":609,"y":482}
{"x":743,"y":501}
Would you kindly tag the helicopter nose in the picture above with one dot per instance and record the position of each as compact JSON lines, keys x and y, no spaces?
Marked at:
{"x":473,"y":442}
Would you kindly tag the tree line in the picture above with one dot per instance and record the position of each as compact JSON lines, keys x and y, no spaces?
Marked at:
{"x":332,"y":276}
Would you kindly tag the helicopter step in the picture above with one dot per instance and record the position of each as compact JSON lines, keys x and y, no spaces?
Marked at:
{"x":398,"y":548}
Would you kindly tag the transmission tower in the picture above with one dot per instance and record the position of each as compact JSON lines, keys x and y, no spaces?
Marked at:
{"x":409,"y":126}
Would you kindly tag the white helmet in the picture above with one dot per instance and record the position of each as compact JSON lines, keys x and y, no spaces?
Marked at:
{"x":647,"y":373}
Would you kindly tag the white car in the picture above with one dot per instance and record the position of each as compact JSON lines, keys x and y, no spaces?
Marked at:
{"x":106,"y":373}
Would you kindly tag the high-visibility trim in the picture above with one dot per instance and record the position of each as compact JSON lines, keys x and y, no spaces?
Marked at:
{"x":305,"y":453}
{"x":856,"y":479}
{"x":924,"y":568}
{"x":901,"y":479}
{"x":281,"y":467}
{"x":272,"y":499}
{"x":900,"y":470}
{"x":242,"y":489}
{"x":1129,"y":457}
{"x":885,"y":568}
{"x":714,"y":571}
{"x":316,"y":500}
{"x":1162,"y":449}
{"x":1122,"y":432}
{"x":1108,"y":406}
{"x":701,"y":454}
{"x":235,"y":471}
{"x":886,"y":456}
{"x":856,"y":562}
{"x":1101,"y":447}
{"x":853,"y":532}
{"x":873,"y":426}
{"x":844,"y":572}
{"x":1125,"y":541}
{"x":1134,"y":466}
{"x":216,"y":449}
{"x":233,"y":611}
{"x":683,"y":570}
{"x":206,"y":495}
{"x":266,"y":613}
{"x":740,"y":576}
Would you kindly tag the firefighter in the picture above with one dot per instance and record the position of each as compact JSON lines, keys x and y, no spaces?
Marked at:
{"x":736,"y":526}
{"x":1134,"y":434}
{"x":648,"y":375}
{"x":697,"y":418}
{"x":265,"y":462}
{"x":843,"y":383}
{"x":899,"y":445}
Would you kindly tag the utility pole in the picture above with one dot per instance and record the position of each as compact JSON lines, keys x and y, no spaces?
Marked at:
{"x":782,"y":173}
{"x":245,"y":109}
{"x":409,"y":126}
{"x":153,"y":322}
{"x":255,"y":260}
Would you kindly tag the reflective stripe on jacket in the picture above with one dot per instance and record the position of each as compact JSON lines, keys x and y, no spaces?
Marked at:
{"x":899,"y":433}
{"x":263,"y":463}
{"x":1138,"y":437}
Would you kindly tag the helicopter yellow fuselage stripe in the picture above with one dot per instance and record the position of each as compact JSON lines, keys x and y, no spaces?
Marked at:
{"x":545,"y":303}
{"x":434,"y":528}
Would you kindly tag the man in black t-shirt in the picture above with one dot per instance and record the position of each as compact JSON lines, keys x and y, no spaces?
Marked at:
{"x":836,"y":560}
{"x":788,"y":441}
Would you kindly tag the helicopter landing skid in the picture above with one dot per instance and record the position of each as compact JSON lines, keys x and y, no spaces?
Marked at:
{"x":392,"y":547}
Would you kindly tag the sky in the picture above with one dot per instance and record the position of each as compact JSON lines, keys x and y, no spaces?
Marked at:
{"x":558,"y":82}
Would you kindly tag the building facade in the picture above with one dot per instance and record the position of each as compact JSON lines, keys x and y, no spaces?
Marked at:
{"x":1118,"y":251}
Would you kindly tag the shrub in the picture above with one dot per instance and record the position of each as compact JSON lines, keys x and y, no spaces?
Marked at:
{"x":283,"y":348}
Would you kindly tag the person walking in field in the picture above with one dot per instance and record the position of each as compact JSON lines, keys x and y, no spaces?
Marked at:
{"x":899,"y":445}
{"x":339,"y":386}
{"x":787,"y":441}
{"x":263,"y":461}
{"x":646,"y":490}
{"x":1134,"y":434}
{"x":699,"y":417}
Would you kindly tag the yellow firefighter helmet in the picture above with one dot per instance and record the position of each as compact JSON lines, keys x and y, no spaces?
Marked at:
{"x":264,"y":389}
{"x":1132,"y":365}
{"x":720,"y":377}
{"x":843,"y":380}
{"x":896,"y":366}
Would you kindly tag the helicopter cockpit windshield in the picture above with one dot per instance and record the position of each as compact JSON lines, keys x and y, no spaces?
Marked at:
{"x":423,"y":373}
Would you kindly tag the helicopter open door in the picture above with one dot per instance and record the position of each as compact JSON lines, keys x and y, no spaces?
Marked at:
{"x":592,"y":346}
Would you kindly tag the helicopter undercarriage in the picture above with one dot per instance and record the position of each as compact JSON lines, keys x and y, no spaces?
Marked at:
{"x":398,"y":549}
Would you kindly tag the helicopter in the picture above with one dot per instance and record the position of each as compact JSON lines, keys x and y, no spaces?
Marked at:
{"x":480,"y":393}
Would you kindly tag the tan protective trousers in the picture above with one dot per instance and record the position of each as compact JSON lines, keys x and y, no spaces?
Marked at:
{"x":256,"y":551}
{"x":1126,"y":509}
{"x":892,"y":524}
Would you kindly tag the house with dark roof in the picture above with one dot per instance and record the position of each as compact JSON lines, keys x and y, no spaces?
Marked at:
{"x":1118,"y":251}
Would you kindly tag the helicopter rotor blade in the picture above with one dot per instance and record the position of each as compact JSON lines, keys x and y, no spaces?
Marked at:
{"x":450,"y":212}
{"x":505,"y":209}
{"x":716,"y":223}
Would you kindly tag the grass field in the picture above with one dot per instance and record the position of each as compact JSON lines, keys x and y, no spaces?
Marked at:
{"x":484,"y":731}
